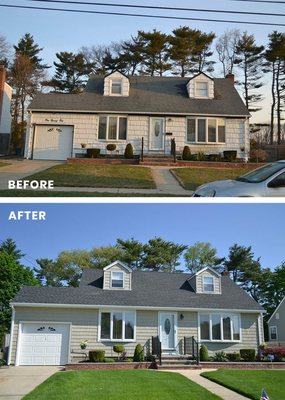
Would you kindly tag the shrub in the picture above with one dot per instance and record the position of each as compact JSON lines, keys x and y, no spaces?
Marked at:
{"x":230,"y":155}
{"x":233,"y":356}
{"x":93,"y":153}
{"x":2,"y":362}
{"x":214,"y":157}
{"x":118,"y":348}
{"x":111,"y":147}
{"x":96,"y":355}
{"x":109,"y":360}
{"x":201,"y":156}
{"x":138,"y":354}
{"x":204,"y":356}
{"x":129,"y":151}
{"x":220,"y":356}
{"x":247,"y":354}
{"x":186,"y":154}
{"x":277,"y":352}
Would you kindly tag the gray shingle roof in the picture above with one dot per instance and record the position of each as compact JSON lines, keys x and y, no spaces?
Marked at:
{"x":149,"y":289}
{"x":149,"y":95}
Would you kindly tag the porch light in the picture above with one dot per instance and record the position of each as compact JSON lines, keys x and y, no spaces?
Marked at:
{"x":181,"y":316}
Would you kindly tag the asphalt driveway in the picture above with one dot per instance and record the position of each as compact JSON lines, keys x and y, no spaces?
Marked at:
{"x":16,"y":382}
{"x":19,"y":169}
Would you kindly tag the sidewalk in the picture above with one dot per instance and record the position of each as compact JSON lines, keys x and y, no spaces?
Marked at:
{"x":224,"y":393}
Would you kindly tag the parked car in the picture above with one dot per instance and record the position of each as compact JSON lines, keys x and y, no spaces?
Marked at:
{"x":266,"y":181}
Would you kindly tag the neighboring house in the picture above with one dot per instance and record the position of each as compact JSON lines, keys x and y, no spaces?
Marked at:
{"x":5,"y":115}
{"x":206,"y":114}
{"x":276,"y":324}
{"x":118,"y":305}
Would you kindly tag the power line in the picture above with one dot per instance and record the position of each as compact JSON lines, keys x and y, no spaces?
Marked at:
{"x":142,"y":15}
{"x":262,"y":1}
{"x":159,"y":7}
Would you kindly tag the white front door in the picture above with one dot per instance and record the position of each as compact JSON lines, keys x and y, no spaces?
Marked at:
{"x":168,"y":332}
{"x":156,"y":140}
{"x":44,"y":344}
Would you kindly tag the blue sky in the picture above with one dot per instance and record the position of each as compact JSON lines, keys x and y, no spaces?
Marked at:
{"x":57,"y":31}
{"x":71,"y":226}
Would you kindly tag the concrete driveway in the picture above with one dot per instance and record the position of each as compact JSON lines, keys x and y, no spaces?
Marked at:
{"x":16,"y":382}
{"x":19,"y":169}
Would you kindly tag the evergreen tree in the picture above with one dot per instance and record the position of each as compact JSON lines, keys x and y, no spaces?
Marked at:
{"x":250,"y":59}
{"x":10,"y":247}
{"x":72,"y":72}
{"x":27,"y":47}
{"x":132,"y":252}
{"x":201,"y":255}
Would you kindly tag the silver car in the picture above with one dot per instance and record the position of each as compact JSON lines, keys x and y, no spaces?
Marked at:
{"x":266,"y":181}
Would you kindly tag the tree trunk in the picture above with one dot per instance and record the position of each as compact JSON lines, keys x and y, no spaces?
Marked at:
{"x":272,"y":105}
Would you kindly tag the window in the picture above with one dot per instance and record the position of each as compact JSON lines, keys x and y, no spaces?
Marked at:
{"x":112,"y":128}
{"x":117,"y":279}
{"x":201,"y":89}
{"x":273,"y":332}
{"x":117,"y":325}
{"x":116,"y":87}
{"x":220,"y":327}
{"x":208,"y":284}
{"x":206,"y":130}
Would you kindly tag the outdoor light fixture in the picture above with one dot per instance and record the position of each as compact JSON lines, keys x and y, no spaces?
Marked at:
{"x":181,"y":316}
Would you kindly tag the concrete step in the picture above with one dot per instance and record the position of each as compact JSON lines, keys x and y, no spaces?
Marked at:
{"x":178,"y":362}
{"x":179,"y":366}
{"x":158,"y":163}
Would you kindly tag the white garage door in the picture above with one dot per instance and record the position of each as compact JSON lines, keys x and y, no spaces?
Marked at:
{"x":44,"y":344}
{"x":52,"y":142}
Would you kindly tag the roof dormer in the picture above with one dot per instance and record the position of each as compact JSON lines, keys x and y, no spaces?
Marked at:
{"x":117,"y":276}
{"x":116,"y":84}
{"x":206,"y":281}
{"x":201,"y":86}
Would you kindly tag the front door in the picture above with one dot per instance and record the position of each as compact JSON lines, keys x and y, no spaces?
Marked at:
{"x":156,"y":140}
{"x":167,"y":332}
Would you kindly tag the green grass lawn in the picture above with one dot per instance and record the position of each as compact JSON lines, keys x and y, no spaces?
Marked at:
{"x":191,"y":178}
{"x":54,"y":193}
{"x":250,"y":383}
{"x":4,"y":164}
{"x":98,"y":176}
{"x":119,"y":385}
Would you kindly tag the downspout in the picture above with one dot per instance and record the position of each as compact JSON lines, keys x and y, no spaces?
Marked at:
{"x":246,"y":140}
{"x":11,"y":336}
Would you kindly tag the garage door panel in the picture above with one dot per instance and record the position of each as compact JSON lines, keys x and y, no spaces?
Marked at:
{"x":44,"y":344}
{"x":52,"y":142}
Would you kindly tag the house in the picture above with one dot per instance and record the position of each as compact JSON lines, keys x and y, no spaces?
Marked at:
{"x":5,"y":116}
{"x":205,"y":113}
{"x":276,"y":324}
{"x":119,"y":306}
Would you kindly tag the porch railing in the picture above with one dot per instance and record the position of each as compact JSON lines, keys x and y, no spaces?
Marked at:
{"x":142,"y":149}
{"x":191,"y":346}
{"x":156,"y":347}
{"x":173,"y":149}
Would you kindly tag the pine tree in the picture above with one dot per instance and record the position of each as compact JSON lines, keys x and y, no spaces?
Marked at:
{"x":250,"y":59}
{"x":27,"y":47}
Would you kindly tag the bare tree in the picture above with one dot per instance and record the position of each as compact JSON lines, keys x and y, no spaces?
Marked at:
{"x":226,"y":47}
{"x":5,"y":50}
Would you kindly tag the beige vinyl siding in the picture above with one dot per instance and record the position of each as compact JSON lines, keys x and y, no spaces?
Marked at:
{"x":199,"y":282}
{"x":278,"y":320}
{"x":117,"y":268}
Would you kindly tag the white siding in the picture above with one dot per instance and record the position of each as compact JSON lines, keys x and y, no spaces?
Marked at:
{"x":5,"y":117}
{"x":116,"y":76}
{"x":200,"y":78}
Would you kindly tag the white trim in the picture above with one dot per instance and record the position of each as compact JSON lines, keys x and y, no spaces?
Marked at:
{"x":11,"y":336}
{"x":269,"y":328}
{"x":213,"y":283}
{"x":111,"y":311}
{"x":111,"y":280}
{"x":230,"y":314}
{"x":20,"y":334}
{"x":117,"y":80}
{"x":276,"y":309}
{"x":175,"y":333}
{"x":205,"y":118}
{"x":208,"y":269}
{"x":51,"y":305}
{"x":195,"y":90}
{"x":118,"y":117}
{"x":115,"y":263}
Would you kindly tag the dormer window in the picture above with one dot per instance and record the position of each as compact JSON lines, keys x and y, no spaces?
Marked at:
{"x":116,"y":87}
{"x":208,"y":284}
{"x":201,"y":89}
{"x":117,"y":280}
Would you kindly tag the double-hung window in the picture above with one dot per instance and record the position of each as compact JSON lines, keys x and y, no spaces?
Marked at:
{"x":208,"y":284}
{"x":206,"y":130}
{"x":116,"y":87}
{"x":273,"y":333}
{"x":117,"y":325}
{"x":220,"y":327}
{"x":201,"y":89}
{"x":112,"y":127}
{"x":117,"y":280}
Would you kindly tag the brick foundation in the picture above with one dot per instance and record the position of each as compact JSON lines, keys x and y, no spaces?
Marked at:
{"x":244,"y":365}
{"x":101,"y":161}
{"x":213,"y":164}
{"x":110,"y":366}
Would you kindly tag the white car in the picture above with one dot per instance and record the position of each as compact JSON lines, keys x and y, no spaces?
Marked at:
{"x":266,"y":181}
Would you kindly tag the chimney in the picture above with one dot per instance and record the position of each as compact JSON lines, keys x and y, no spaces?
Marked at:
{"x":231,"y":77}
{"x":2,"y":86}
{"x":226,"y":273}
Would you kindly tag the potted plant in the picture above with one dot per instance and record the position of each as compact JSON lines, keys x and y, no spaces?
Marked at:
{"x":83,"y":344}
{"x":83,"y":145}
{"x":111,"y":147}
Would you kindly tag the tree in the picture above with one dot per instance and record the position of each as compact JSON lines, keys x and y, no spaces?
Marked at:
{"x":239,"y":259}
{"x":132,"y":54}
{"x":132,"y":252}
{"x":10,"y":247}
{"x":226,"y":47}
{"x":95,"y":56}
{"x":13,"y":276}
{"x":161,"y":255}
{"x":4,"y":50}
{"x":104,"y":255}
{"x":71,"y":72}
{"x":201,"y":255}
{"x":27,"y":47}
{"x":48,"y":273}
{"x":275,"y":55}
{"x":249,"y":58}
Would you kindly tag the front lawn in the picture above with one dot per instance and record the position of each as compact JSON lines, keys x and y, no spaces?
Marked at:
{"x":98,"y":176}
{"x":191,"y":178}
{"x":251,"y":383}
{"x":119,"y":385}
{"x":54,"y":193}
{"x":4,"y":164}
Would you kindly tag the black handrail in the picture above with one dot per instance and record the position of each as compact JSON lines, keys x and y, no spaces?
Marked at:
{"x":156,"y":347}
{"x":191,"y":346}
{"x":173,"y":149}
{"x":142,"y":149}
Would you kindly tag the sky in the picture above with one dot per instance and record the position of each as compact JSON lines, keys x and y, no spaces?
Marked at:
{"x":84,"y":226}
{"x":61,"y":31}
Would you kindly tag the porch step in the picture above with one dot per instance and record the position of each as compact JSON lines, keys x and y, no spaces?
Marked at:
{"x":157,"y":159}
{"x":178,"y":362}
{"x":158,"y":163}
{"x":179,"y":366}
